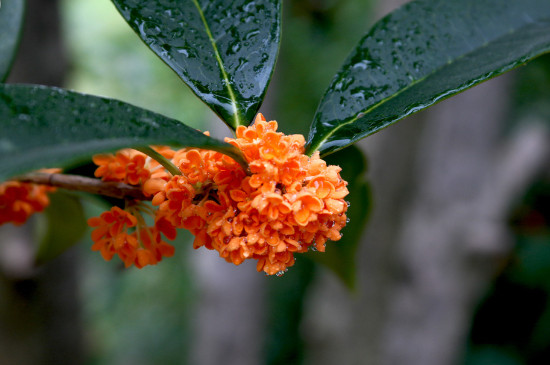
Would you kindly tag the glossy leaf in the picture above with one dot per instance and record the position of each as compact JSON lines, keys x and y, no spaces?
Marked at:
{"x":50,"y":127}
{"x":340,"y":256}
{"x":11,"y":20}
{"x":421,"y":53}
{"x":224,"y":50}
{"x":63,"y":225}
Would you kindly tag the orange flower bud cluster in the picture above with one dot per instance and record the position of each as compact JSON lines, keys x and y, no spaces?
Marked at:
{"x":287,"y":203}
{"x":124,"y":232}
{"x":144,"y":246}
{"x":130,"y":166}
{"x":18,"y":200}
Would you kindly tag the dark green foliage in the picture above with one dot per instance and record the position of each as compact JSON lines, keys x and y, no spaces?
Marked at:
{"x":422,"y":53}
{"x":51,"y":127}
{"x":224,"y":51}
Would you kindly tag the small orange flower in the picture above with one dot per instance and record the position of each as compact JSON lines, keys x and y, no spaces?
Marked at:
{"x":130,"y":166}
{"x":110,"y":234}
{"x":144,"y":246}
{"x":113,"y":167}
{"x":18,"y":201}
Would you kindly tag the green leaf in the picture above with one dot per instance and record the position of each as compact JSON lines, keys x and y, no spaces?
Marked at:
{"x":50,"y":127}
{"x":225,"y":51}
{"x":422,"y":53}
{"x":63,"y":224}
{"x":11,"y":20}
{"x":340,"y":256}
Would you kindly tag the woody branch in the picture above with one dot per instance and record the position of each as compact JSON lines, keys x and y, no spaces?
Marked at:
{"x":86,"y":184}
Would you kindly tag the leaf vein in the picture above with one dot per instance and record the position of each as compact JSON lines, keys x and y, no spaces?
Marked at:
{"x":220,"y":63}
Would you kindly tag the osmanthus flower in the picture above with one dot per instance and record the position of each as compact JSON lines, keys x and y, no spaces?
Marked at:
{"x":123,"y":232}
{"x":130,"y":166}
{"x":19,"y":200}
{"x":288,"y":203}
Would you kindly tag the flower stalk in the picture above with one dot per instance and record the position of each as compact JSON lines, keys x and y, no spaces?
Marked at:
{"x":169,"y":166}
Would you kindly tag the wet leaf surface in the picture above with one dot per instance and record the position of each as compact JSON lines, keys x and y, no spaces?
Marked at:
{"x":422,"y":53}
{"x":11,"y":20}
{"x":50,"y":127}
{"x":225,"y":51}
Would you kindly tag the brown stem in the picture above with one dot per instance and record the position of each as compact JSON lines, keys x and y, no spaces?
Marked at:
{"x":86,"y":184}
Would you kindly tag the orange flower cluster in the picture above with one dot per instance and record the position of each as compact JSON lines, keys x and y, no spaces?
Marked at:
{"x":124,"y":232}
{"x":287,"y":203}
{"x":130,"y":166}
{"x":18,"y":201}
{"x":144,"y":246}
